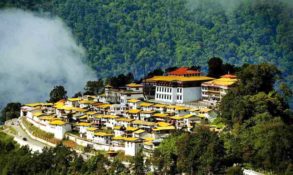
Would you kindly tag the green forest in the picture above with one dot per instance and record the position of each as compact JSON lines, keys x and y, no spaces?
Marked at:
{"x":139,"y":36}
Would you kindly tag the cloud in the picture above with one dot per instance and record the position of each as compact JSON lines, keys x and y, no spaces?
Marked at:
{"x":36,"y":54}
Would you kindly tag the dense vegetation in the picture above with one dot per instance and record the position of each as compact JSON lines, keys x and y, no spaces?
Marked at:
{"x":139,"y":36}
{"x":10,"y":111}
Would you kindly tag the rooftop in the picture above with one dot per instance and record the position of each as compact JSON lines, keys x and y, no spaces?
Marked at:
{"x":172,"y":78}
{"x":183,"y":71}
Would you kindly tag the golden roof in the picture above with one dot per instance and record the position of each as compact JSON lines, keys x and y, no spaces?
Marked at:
{"x":103,"y":134}
{"x":83,"y":124}
{"x":57,"y":122}
{"x":144,"y":104}
{"x":86,"y":102}
{"x":104,"y":106}
{"x":133,"y":111}
{"x":91,"y":112}
{"x":178,"y":78}
{"x":181,"y":108}
{"x":131,"y":129}
{"x":106,"y":116}
{"x":159,"y":105}
{"x":177,"y":118}
{"x":139,"y":131}
{"x":73,"y":99}
{"x":205,"y":110}
{"x":83,"y":117}
{"x":161,"y":115}
{"x":142,"y":122}
{"x":163,"y":124}
{"x":92,"y":129}
{"x":147,"y":112}
{"x":133,"y":100}
{"x":134,"y":85}
{"x":221,"y":82}
{"x":171,"y":106}
{"x":124,"y":119}
{"x":130,"y":139}
{"x":164,"y":128}
{"x":188,"y":116}
{"x":47,"y":117}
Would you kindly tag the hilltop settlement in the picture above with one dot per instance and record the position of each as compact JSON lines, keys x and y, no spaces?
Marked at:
{"x":136,"y":117}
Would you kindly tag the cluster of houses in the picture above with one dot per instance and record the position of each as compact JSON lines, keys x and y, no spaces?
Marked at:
{"x":122,"y":119}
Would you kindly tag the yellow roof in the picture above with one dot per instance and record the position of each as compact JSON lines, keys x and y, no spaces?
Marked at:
{"x":134,"y":85}
{"x":47,"y":118}
{"x":73,"y":99}
{"x":133,"y":111}
{"x":147,"y":112}
{"x":91,"y":112}
{"x":142,"y":122}
{"x":139,"y":131}
{"x":83,"y":124}
{"x":106,"y":116}
{"x":37,"y":114}
{"x":149,"y":139}
{"x":105,"y":106}
{"x":102,"y":134}
{"x":83,"y":117}
{"x":205,"y":110}
{"x":124,"y":119}
{"x":181,"y":108}
{"x":177,"y":118}
{"x":131,"y":129}
{"x":118,"y":138}
{"x":148,"y":142}
{"x":130,"y":139}
{"x":178,"y":78}
{"x":86,"y":102}
{"x":188,"y":116}
{"x":92,"y":129}
{"x":171,"y":106}
{"x":163,"y":124}
{"x":221,"y":82}
{"x":117,"y":127}
{"x":39,"y":104}
{"x":57,"y":122}
{"x":144,"y":104}
{"x":164,"y":128}
{"x":133,"y":100}
{"x":160,"y":115}
{"x":201,"y":115}
{"x":159,"y":105}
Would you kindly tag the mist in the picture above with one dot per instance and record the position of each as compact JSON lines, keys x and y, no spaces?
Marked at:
{"x":36,"y":54}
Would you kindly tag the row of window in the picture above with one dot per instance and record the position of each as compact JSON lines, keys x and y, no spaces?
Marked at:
{"x":167,"y":89}
{"x":179,"y":97}
{"x":164,"y":89}
{"x":164,"y":96}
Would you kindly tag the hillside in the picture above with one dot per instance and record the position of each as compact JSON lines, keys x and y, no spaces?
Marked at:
{"x":123,"y":36}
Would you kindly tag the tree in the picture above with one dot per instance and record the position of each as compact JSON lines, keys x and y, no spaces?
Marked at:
{"x":94,"y":87}
{"x":57,"y":94}
{"x":137,"y":164}
{"x":11,"y":110}
{"x":215,"y":65}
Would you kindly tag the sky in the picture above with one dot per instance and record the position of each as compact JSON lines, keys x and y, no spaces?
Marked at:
{"x":36,"y":54}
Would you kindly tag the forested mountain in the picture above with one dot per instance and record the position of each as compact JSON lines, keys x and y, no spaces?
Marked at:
{"x":133,"y":36}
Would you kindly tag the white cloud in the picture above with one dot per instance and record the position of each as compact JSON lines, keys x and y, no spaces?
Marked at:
{"x":36,"y":54}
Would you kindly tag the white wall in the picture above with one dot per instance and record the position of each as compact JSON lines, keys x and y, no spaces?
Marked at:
{"x":191,"y":94}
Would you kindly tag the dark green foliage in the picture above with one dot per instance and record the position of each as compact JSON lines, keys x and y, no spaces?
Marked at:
{"x":94,"y":87}
{"x":12,"y":110}
{"x":235,"y":170}
{"x":57,"y":94}
{"x":215,"y":67}
{"x":138,"y":166}
{"x":121,"y":80}
{"x":197,"y":153}
{"x":138,"y":36}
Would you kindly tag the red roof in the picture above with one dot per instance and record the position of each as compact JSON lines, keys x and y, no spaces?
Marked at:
{"x":183,"y":71}
{"x":229,"y":76}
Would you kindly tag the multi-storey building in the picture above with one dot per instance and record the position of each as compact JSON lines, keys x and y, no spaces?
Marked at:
{"x":213,"y":91}
{"x":178,"y":89}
